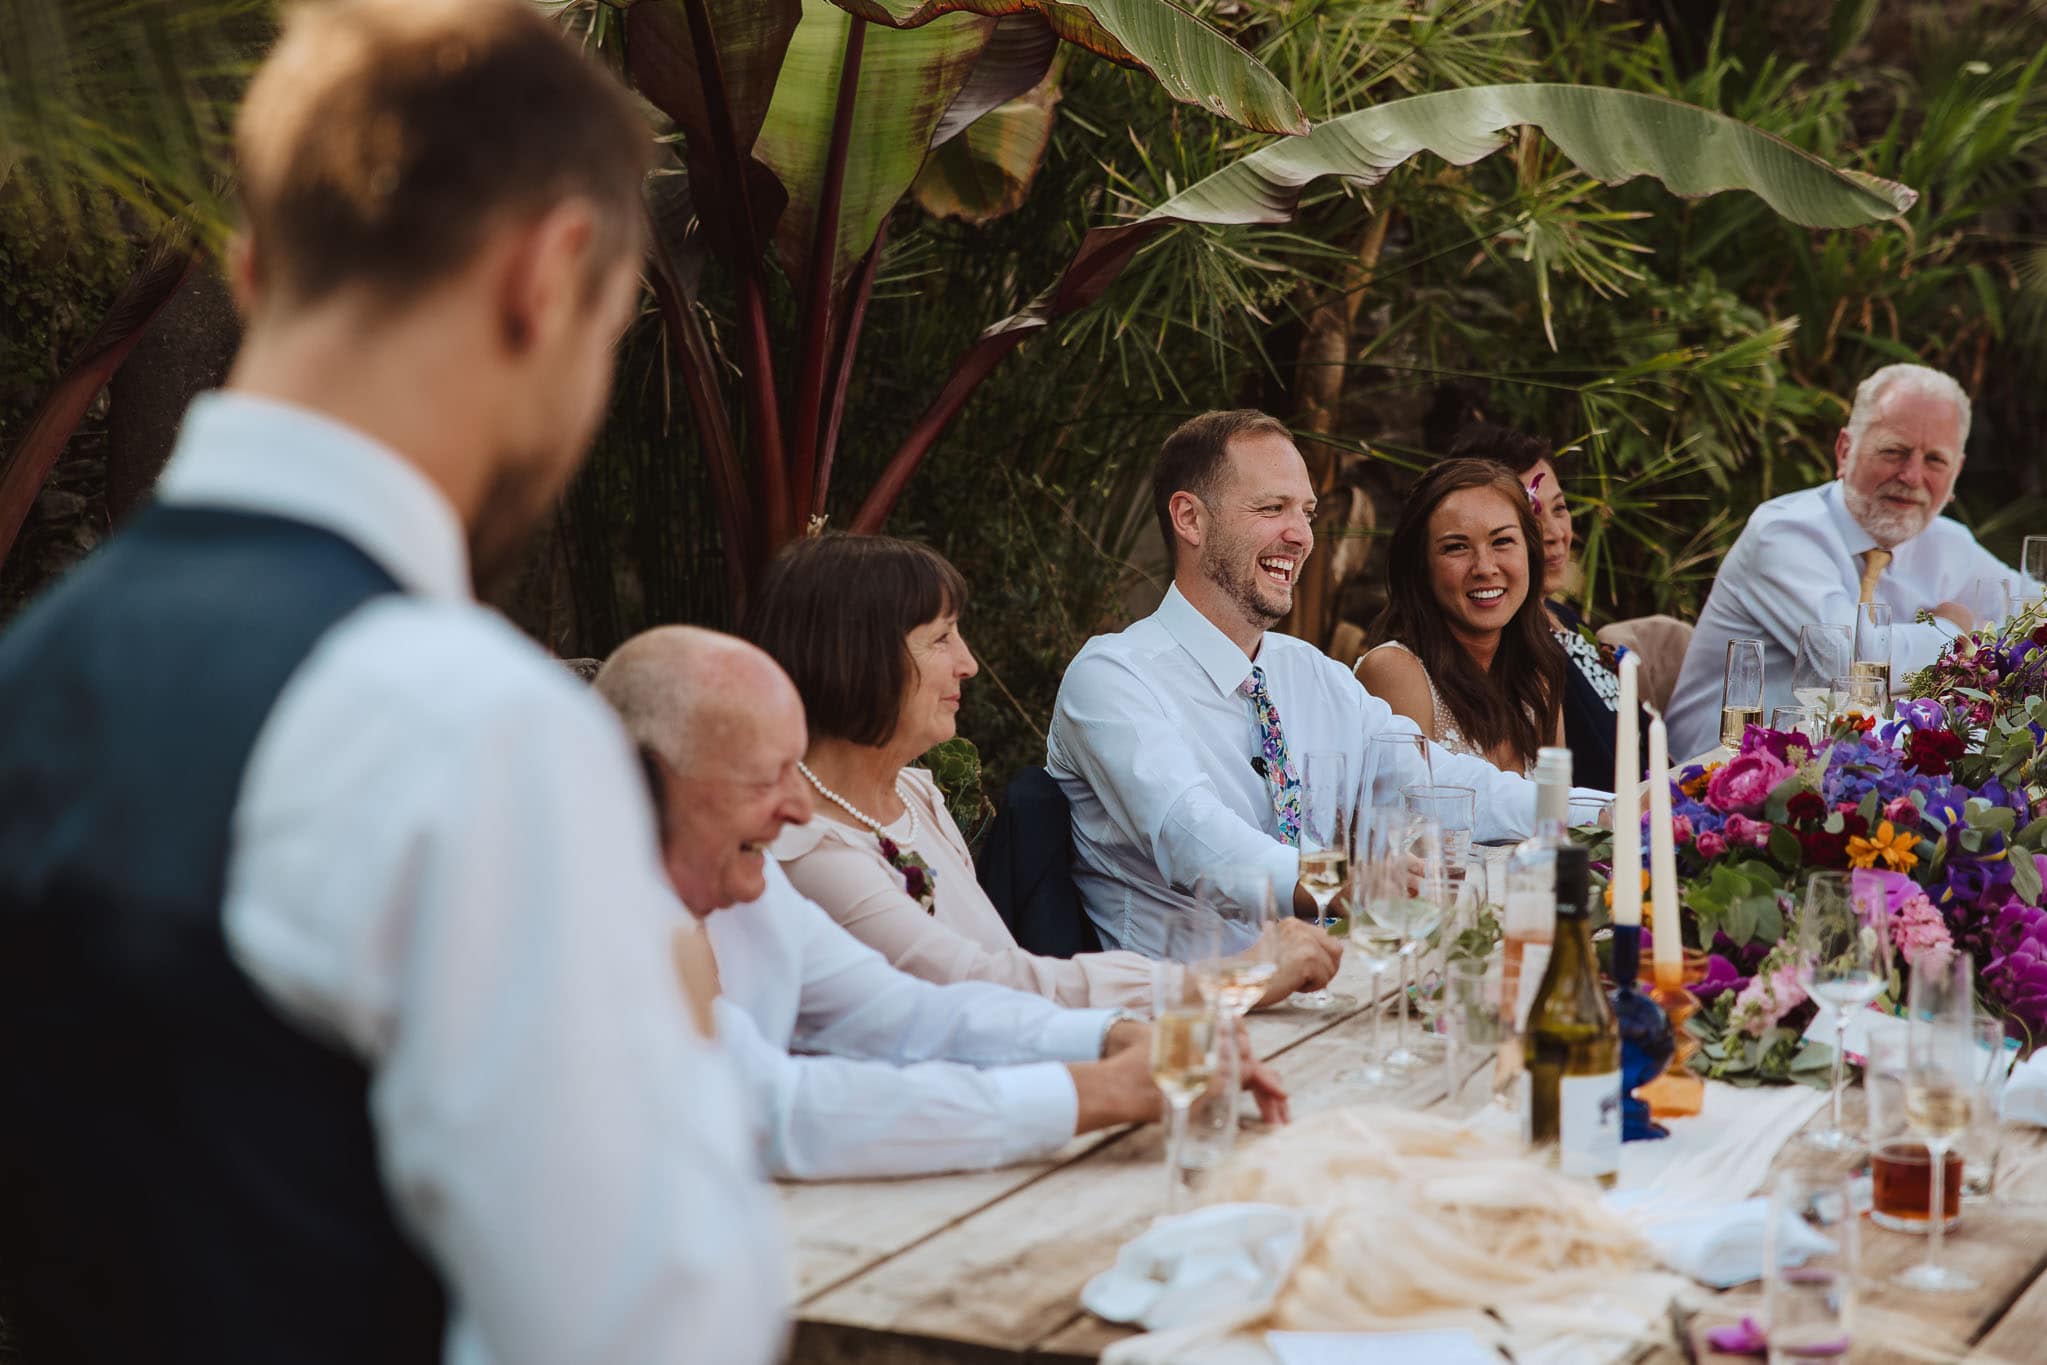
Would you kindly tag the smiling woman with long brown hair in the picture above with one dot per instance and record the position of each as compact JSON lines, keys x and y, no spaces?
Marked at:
{"x":1465,"y":649}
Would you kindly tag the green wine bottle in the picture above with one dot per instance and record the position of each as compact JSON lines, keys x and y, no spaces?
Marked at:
{"x":1573,"y":1044}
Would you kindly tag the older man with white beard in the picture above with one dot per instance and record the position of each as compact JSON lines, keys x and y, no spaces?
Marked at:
{"x":1875,"y":534}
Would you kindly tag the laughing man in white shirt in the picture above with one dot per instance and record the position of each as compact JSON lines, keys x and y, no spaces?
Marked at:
{"x":905,"y":1077}
{"x":1873,"y":534}
{"x":1157,"y":739}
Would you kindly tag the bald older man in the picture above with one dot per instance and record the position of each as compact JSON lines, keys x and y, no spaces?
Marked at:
{"x":915,"y":1077}
{"x":1875,"y":534}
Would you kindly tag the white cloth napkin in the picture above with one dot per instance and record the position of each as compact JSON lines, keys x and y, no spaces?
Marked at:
{"x":1722,"y":1246}
{"x":1199,"y":1266}
{"x":2025,"y":1092}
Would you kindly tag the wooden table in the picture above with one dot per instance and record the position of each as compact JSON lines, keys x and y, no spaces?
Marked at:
{"x":988,"y":1267}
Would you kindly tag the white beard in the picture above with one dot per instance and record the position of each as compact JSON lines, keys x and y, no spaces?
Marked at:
{"x":1886,"y":527}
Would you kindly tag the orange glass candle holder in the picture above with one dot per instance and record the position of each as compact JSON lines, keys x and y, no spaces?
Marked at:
{"x":1677,"y":1093}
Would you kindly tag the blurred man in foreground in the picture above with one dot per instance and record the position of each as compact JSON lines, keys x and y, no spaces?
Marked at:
{"x":918,"y":1077}
{"x":336,"y":1022}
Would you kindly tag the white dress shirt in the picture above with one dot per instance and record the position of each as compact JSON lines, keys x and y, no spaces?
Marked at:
{"x":912,"y":1078}
{"x":443,"y":862}
{"x":1153,"y":746}
{"x":1796,"y":564}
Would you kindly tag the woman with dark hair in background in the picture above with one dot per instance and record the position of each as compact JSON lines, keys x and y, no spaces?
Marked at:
{"x":1591,"y":689}
{"x":1466,"y":650}
{"x":868,"y":628}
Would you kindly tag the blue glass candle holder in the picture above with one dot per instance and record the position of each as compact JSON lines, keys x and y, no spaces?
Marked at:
{"x":1646,"y":1042}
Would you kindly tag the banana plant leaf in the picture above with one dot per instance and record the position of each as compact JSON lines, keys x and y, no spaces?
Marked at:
{"x":1610,"y":135}
{"x":906,"y":83}
{"x":987,"y":171}
{"x":1014,"y":63}
{"x":720,"y":118}
{"x":1191,"y":60}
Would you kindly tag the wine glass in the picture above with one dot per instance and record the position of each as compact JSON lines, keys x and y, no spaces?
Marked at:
{"x":1824,"y":654}
{"x":2033,"y":563}
{"x":1865,"y":694}
{"x":1236,"y":982}
{"x":1394,"y":761}
{"x":1741,"y":691}
{"x":1328,"y":830}
{"x":1844,"y":960}
{"x":1797,"y":720}
{"x":1941,"y":1089}
{"x":1872,"y":641}
{"x":1456,"y":810}
{"x":1184,"y":1031}
{"x":1377,"y":945}
{"x":1409,"y":895}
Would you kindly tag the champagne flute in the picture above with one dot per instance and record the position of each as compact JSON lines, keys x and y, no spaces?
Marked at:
{"x":1328,"y":830}
{"x":1410,"y":898}
{"x":1872,"y":641}
{"x":1824,"y":654}
{"x":1941,"y":1089}
{"x":1184,"y":1032}
{"x":1235,"y":983}
{"x":1741,"y":691}
{"x":1378,"y":946}
{"x":1844,"y":960}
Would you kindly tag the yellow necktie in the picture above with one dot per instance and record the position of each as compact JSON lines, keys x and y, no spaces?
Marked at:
{"x":1874,"y":562}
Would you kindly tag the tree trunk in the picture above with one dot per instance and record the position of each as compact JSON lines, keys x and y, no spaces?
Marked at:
{"x":185,"y":352}
{"x":1323,"y":364}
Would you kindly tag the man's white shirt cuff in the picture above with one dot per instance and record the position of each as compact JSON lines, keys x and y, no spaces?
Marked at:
{"x":1038,"y":1105}
{"x":1076,"y":1036}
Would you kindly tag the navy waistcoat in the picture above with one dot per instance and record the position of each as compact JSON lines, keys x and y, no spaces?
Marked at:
{"x":184,"y":1175}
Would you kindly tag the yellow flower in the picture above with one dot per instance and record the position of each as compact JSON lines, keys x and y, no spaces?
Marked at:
{"x":1896,"y":848}
{"x":1645,"y":890}
{"x":1696,"y":788}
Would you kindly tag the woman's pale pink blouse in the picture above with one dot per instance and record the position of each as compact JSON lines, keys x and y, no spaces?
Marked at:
{"x":962,"y":938}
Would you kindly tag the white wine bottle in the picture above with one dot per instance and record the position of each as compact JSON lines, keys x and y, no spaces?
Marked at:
{"x":1573,"y":1043}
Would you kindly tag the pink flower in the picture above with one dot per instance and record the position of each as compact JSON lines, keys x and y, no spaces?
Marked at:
{"x":1746,"y":832}
{"x":1771,"y":993}
{"x":1680,"y":829}
{"x":1921,"y":934}
{"x":1711,"y":845}
{"x":1746,"y":782}
{"x":1900,"y":811}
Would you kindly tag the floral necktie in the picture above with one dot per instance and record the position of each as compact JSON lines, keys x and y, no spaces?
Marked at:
{"x":1278,"y":767}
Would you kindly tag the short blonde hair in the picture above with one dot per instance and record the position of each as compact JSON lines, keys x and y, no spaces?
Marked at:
{"x":381,"y":139}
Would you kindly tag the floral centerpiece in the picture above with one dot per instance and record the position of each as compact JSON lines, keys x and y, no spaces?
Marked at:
{"x":1947,"y":822}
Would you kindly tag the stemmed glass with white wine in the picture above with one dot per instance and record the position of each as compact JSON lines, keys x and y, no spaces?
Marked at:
{"x":1184,"y":1031}
{"x":1409,"y":895}
{"x":1844,"y":961}
{"x":1942,"y":1083}
{"x":1328,"y":831}
{"x":1824,"y":654}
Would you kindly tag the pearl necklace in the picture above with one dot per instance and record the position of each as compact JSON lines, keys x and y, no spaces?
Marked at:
{"x":908,"y":841}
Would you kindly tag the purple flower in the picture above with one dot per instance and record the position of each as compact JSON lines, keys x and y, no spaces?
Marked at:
{"x":1746,"y":782}
{"x":1720,"y":976}
{"x":1921,"y":715}
{"x":2017,"y":975}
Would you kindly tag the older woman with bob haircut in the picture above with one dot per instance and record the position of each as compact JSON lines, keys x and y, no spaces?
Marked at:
{"x":868,"y":628}
{"x":1466,"y":650}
